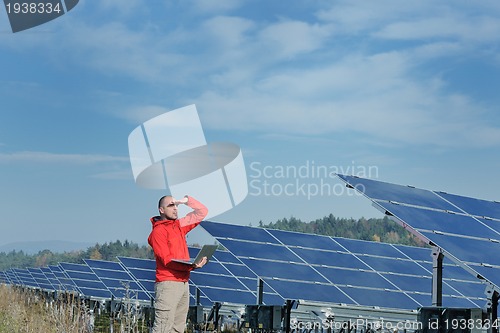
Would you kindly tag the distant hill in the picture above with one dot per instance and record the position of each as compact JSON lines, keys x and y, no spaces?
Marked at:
{"x":56,"y":246}
{"x":378,"y":230}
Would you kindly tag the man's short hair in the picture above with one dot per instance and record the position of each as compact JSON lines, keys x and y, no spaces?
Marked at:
{"x":160,"y":202}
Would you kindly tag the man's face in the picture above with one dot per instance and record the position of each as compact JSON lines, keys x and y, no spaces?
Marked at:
{"x":168,"y":208}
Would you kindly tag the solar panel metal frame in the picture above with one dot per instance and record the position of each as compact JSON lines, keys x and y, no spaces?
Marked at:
{"x":65,"y":282}
{"x":41,"y":279}
{"x":25,"y":278}
{"x":384,"y":204}
{"x":86,"y":282}
{"x":127,"y":289}
{"x":331,"y":245}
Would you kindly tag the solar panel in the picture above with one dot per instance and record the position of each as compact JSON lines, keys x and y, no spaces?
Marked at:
{"x":12,"y":277}
{"x":472,"y":206}
{"x":219,"y":284}
{"x":396,"y":193}
{"x":442,"y":221}
{"x":118,"y":281}
{"x":224,"y":279}
{"x":467,"y":229}
{"x":3,"y":278}
{"x":244,"y":275}
{"x":41,"y":280}
{"x":50,"y":276}
{"x":86,"y":281}
{"x":339,"y":270}
{"x":25,"y":278}
{"x":64,"y":281}
{"x":144,"y":272}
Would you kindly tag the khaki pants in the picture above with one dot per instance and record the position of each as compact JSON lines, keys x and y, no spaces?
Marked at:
{"x":171,"y":306}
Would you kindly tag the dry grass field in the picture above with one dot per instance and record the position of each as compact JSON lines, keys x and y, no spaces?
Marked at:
{"x":24,"y":311}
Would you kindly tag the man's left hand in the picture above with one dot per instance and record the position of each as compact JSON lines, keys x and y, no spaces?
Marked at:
{"x":200,"y":264}
{"x":181,"y":201}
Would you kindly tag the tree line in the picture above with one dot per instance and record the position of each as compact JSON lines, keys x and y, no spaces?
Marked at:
{"x":373,"y":229}
{"x":107,"y":251}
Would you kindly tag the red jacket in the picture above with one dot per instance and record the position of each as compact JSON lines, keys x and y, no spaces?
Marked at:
{"x":168,"y":240}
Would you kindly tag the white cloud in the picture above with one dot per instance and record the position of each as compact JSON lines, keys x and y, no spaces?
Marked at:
{"x":288,"y":38}
{"x":340,"y":73}
{"x":45,"y":157}
{"x":374,"y":96}
{"x":226,"y":31}
{"x":457,"y":27}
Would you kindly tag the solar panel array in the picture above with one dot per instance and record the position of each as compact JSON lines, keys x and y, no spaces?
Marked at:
{"x":292,"y":266}
{"x":224,"y":280}
{"x":467,"y":229}
{"x":344,"y":271}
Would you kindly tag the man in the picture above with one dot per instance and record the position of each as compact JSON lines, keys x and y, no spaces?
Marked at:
{"x":168,"y":240}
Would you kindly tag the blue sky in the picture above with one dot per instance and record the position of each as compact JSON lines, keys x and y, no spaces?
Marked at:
{"x":404,"y":92}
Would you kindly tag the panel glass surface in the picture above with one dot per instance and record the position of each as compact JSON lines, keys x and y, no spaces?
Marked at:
{"x":143,"y":271}
{"x":456,"y":272}
{"x":467,"y":249}
{"x":66,"y":283}
{"x":382,"y":298}
{"x":308,"y":291}
{"x":51,"y":278}
{"x":214,"y":267}
{"x":225,"y":257}
{"x":25,"y":277}
{"x":119,"y":282}
{"x":389,"y":265}
{"x":238,"y":232}
{"x":240,"y":270}
{"x":216,"y":281}
{"x":474,"y":206}
{"x":85,"y":280}
{"x":468,"y":289}
{"x":366,"y":247}
{"x":283,"y":270}
{"x":316,"y":257}
{"x":11,"y":276}
{"x":457,"y":302}
{"x":355,"y":278}
{"x":424,"y":219}
{"x":376,"y":266}
{"x":491,"y":273}
{"x":415,"y":253}
{"x":305,"y":240}
{"x":261,"y":251}
{"x":421,"y":284}
{"x":231,"y":296}
{"x":148,"y":264}
{"x":377,"y":190}
{"x":41,"y":279}
{"x":493,"y":224}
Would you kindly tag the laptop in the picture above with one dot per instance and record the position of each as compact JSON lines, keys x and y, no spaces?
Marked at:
{"x":206,"y":251}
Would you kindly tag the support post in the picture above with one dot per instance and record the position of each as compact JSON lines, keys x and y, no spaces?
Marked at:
{"x":217,"y":306}
{"x":288,"y":315}
{"x":260,"y":292}
{"x":198,"y":296}
{"x":437,"y":276}
{"x":112,"y":314}
{"x":492,"y":307}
